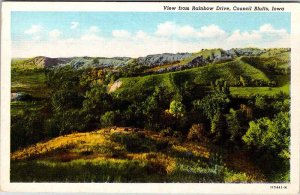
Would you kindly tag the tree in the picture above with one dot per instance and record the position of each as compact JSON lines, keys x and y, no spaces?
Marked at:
{"x":270,"y":134}
{"x":197,"y":132}
{"x":108,"y":119}
{"x":96,"y":102}
{"x":220,"y":85}
{"x":233,"y":125}
{"x":261,"y":102}
{"x":243,"y":81}
{"x":95,"y":61}
{"x":177,"y":109}
{"x":152,"y":111}
{"x":212,"y":104}
{"x":218,"y":127}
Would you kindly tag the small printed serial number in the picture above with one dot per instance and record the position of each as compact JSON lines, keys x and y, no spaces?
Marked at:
{"x":278,"y":187}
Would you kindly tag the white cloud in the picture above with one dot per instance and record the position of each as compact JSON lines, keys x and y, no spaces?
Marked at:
{"x":54,"y":34}
{"x":186,"y":31}
{"x":93,"y":29}
{"x":265,"y":36}
{"x":74,"y":25}
{"x":120,"y":34}
{"x":168,"y":29}
{"x":92,"y":34}
{"x":268,"y":29}
{"x":34,"y":29}
{"x":237,"y":35}
{"x":36,"y":37}
{"x":211,"y":31}
{"x":90,"y":37}
{"x":141,"y":35}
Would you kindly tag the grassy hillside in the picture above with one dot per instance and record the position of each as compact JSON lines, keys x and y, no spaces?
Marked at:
{"x":230,"y":71}
{"x":273,"y":64}
{"x":23,"y":63}
{"x":129,"y":155}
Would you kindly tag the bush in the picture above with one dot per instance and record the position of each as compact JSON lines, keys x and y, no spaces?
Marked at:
{"x":167,"y":132}
{"x":108,"y":119}
{"x":196,"y":132}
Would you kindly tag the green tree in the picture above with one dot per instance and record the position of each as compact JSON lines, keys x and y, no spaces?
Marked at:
{"x":108,"y":119}
{"x":177,"y":109}
{"x":270,"y":134}
{"x":233,"y":125}
{"x":95,"y":61}
{"x":96,"y":102}
{"x":212,"y":104}
{"x":243,"y":81}
{"x":218,"y":127}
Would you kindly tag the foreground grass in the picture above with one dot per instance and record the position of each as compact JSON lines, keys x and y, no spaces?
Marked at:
{"x":121,"y":155}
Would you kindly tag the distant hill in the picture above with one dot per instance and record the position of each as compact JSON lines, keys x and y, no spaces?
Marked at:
{"x":161,"y":62}
{"x":38,"y":62}
{"x":86,"y":62}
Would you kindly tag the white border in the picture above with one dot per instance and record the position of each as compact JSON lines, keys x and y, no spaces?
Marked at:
{"x":7,"y":7}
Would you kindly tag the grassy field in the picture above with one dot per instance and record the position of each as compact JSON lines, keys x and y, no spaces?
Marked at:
{"x":124,"y":155}
{"x":31,"y":82}
{"x":266,"y":91}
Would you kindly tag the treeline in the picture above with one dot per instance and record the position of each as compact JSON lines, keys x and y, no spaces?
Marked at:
{"x":80,"y":102}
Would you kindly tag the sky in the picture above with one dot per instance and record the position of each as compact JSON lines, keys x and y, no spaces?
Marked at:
{"x":134,"y":34}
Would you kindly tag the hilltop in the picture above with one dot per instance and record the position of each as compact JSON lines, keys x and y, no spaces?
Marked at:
{"x":128,"y":155}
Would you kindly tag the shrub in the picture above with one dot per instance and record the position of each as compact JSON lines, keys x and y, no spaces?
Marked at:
{"x":167,"y":132}
{"x":177,"y":109}
{"x":107,"y":119}
{"x":196,"y":132}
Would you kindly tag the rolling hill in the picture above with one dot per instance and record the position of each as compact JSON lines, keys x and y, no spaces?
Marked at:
{"x":230,"y":71}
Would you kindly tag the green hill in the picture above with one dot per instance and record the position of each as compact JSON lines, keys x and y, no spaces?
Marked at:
{"x":202,"y":76}
{"x":275,"y":65}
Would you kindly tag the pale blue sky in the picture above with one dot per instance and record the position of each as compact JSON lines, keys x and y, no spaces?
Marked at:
{"x":134,"y":21}
{"x":238,"y":29}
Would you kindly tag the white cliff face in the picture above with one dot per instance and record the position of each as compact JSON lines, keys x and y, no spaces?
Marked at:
{"x":148,"y":61}
{"x":115,"y":86}
{"x":160,"y":59}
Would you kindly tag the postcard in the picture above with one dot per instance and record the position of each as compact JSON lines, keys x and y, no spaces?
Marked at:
{"x":150,"y":97}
